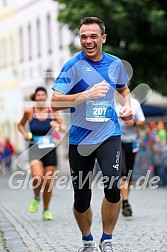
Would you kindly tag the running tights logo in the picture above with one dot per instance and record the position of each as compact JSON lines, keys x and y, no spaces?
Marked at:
{"x":116,"y":166}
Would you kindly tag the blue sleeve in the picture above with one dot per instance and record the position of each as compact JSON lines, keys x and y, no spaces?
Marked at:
{"x":123,"y":75}
{"x":118,"y":73}
{"x":65,"y":80}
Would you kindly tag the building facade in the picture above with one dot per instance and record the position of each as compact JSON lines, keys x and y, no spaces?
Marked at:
{"x":33,"y":48}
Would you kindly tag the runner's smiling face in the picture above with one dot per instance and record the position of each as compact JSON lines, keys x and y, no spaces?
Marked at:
{"x":91,"y":41}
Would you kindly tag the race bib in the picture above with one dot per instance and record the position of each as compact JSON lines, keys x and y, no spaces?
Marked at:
{"x":98,"y":111}
{"x":45,"y":142}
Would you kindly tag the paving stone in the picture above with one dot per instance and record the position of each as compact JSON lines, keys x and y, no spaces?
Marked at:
{"x":26,"y":232}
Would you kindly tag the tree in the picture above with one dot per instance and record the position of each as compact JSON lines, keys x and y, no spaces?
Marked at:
{"x":136,"y":32}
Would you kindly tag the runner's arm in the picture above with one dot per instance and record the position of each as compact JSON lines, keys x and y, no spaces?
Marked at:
{"x":21,"y":125}
{"x":60,"y":101}
{"x":124,"y":99}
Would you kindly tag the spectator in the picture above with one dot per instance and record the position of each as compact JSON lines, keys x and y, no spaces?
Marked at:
{"x":10,"y":146}
{"x":162,"y":131}
{"x":159,"y":149}
{"x":6,"y":159}
{"x":1,"y":151}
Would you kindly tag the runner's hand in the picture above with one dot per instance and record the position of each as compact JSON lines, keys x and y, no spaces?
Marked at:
{"x":126,"y":113}
{"x":99,"y":90}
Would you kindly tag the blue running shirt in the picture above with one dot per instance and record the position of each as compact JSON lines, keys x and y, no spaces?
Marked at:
{"x":92,"y":121}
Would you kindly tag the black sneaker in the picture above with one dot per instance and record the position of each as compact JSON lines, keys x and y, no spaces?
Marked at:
{"x":126,"y":210}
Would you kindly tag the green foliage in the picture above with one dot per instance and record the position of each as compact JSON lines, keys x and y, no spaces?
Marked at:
{"x":136,"y":32}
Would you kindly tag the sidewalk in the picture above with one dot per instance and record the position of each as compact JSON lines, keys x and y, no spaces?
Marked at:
{"x":21,"y":231}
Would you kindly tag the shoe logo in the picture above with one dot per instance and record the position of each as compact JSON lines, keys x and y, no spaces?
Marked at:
{"x":88,"y":69}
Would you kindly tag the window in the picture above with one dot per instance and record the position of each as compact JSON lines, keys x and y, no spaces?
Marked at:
{"x":4,"y":2}
{"x":49,"y":35}
{"x":1,"y":103}
{"x":60,"y":37}
{"x":4,"y":53}
{"x":21,"y":45}
{"x":11,"y":50}
{"x":38,"y":39}
{"x":29,"y":42}
{"x":1,"y":54}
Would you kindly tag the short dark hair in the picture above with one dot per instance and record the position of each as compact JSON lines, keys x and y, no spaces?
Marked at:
{"x":93,"y":20}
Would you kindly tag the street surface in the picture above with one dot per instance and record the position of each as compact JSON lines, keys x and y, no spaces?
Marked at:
{"x":21,"y":231}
